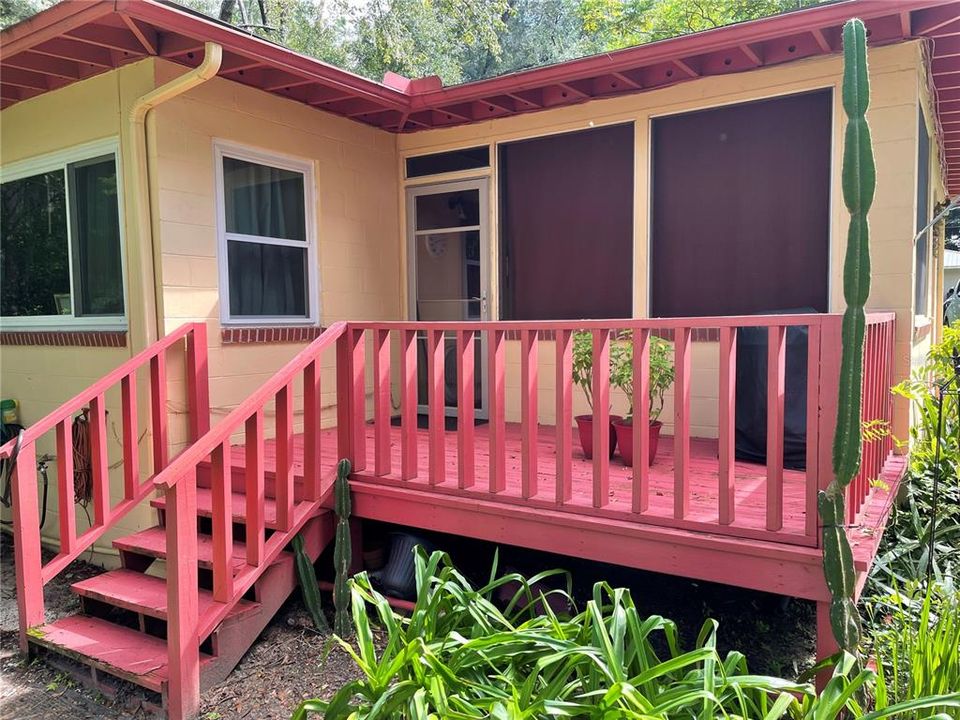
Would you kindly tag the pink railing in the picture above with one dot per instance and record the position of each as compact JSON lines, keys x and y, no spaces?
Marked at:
{"x":823,"y":352}
{"x":877,"y":411}
{"x":31,"y":574}
{"x":185,"y":629}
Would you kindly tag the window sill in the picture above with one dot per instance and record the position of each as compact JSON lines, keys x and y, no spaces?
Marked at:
{"x":276,"y":334}
{"x":922,"y":326}
{"x":64,"y":338}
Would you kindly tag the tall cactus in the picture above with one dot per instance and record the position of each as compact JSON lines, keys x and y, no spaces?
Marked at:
{"x":859,"y":181}
{"x":342,"y":551}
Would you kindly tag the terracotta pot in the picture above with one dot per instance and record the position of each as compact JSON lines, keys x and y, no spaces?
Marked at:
{"x":585,"y":426}
{"x":625,"y":440}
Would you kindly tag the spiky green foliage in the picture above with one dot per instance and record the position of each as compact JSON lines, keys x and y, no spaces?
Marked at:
{"x":308,"y":584}
{"x":459,"y":655}
{"x":342,"y":551}
{"x":859,"y":181}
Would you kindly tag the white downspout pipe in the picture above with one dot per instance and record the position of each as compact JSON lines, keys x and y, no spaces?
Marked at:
{"x":143,"y":180}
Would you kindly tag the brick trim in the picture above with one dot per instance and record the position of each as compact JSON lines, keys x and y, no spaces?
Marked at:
{"x":283,"y":334}
{"x":65,"y":338}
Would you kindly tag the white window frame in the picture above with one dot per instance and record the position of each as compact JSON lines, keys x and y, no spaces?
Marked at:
{"x":224,"y":149}
{"x":51,"y":162}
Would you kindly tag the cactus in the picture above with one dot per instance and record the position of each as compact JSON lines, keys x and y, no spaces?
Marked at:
{"x":308,"y":584}
{"x":342,"y":552}
{"x":859,"y":181}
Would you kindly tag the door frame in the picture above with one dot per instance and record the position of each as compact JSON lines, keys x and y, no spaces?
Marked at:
{"x":482,"y":186}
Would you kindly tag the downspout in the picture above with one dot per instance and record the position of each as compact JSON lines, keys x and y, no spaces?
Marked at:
{"x":143,"y":179}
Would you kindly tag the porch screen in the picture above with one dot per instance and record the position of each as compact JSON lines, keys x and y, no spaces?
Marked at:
{"x":740,"y":205}
{"x":566,"y":225}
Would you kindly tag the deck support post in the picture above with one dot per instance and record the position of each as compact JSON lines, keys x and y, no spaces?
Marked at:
{"x":26,"y":549}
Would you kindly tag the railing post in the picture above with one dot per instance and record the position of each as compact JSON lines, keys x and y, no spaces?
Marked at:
{"x":26,"y":549}
{"x":601,"y":417}
{"x":183,"y":643}
{"x":812,"y":475}
{"x":830,"y":348}
{"x":345,"y":446}
{"x":198,"y":381}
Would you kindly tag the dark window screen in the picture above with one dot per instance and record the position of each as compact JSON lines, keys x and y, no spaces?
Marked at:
{"x":566,"y":225}
{"x":923,"y":205}
{"x":465,"y":159}
{"x":741,"y":201}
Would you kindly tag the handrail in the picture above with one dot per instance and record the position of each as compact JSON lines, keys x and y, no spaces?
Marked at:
{"x":221,"y":432}
{"x":77,"y":402}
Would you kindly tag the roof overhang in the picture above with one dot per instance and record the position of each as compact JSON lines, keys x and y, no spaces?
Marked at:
{"x":80,"y":38}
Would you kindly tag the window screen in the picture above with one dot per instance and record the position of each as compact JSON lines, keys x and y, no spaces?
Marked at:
{"x":566,"y":225}
{"x":920,"y":287}
{"x":740,"y":208}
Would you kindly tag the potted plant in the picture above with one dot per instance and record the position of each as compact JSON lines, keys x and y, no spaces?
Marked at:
{"x":621,"y":376}
{"x":583,"y":378}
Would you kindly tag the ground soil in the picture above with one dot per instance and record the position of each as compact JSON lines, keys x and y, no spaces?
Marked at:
{"x":291,"y":661}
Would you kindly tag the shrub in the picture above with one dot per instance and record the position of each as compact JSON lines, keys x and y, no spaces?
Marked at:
{"x":460,"y":656}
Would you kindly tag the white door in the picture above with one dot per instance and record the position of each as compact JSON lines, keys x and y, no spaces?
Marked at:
{"x":449,"y":274}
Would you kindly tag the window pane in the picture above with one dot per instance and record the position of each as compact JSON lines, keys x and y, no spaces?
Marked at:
{"x":464,"y":159}
{"x":448,"y":210}
{"x":264,"y":201}
{"x":267,"y":280}
{"x":96,"y":238}
{"x":34,"y":256}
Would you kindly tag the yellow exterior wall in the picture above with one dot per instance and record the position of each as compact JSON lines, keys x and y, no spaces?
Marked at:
{"x":895,"y":85}
{"x":42,"y":378}
{"x":356,"y":206}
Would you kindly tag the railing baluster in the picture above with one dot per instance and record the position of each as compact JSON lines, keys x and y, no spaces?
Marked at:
{"x":776,"y":375}
{"x":158,"y":410}
{"x":381,"y":402}
{"x":198,"y":381}
{"x":466,"y":364}
{"x":99,"y":462}
{"x":358,"y":401}
{"x":727,"y":424}
{"x":283,"y":483}
{"x":26,"y":550}
{"x":65,"y":487}
{"x":222,"y":493}
{"x":311,"y":431}
{"x":812,"y":476}
{"x":564,"y":472}
{"x":529,"y":351}
{"x":601,"y":418}
{"x":497,"y":431}
{"x":183,"y":691}
{"x":131,"y":448}
{"x":681,"y":423}
{"x":436,"y":406}
{"x":408,"y":404}
{"x":641,"y":420}
{"x":254,"y":488}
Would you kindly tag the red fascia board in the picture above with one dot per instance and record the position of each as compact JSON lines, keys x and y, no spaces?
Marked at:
{"x":51,"y":23}
{"x":172,"y":19}
{"x":731,"y":36}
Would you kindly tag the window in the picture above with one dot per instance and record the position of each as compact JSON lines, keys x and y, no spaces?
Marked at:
{"x":267,"y":245}
{"x":462,"y":159}
{"x":60,"y":243}
{"x":566,"y":225}
{"x":740,"y":204}
{"x":922,"y":249}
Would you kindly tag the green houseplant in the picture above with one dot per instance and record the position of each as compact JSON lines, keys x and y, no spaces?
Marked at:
{"x":621,"y":376}
{"x":583,"y":379}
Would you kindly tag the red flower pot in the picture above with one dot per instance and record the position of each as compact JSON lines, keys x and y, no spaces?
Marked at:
{"x":625,"y":439}
{"x":585,"y":426}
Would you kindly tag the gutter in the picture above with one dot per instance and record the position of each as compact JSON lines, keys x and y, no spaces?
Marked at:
{"x":142,"y":177}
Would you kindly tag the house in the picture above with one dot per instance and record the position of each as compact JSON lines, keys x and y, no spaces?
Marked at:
{"x":242,"y":263}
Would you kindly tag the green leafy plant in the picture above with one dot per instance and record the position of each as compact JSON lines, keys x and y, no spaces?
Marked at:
{"x":459,"y":655}
{"x":662,"y":373}
{"x":582,"y":364}
{"x":342,"y":551}
{"x":916,"y":642}
{"x":859,"y":182}
{"x":308,"y":584}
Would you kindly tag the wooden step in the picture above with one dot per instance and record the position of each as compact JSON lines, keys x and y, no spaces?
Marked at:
{"x":152,"y":542}
{"x":146,"y":594}
{"x":128,"y":654}
{"x":238,"y":507}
